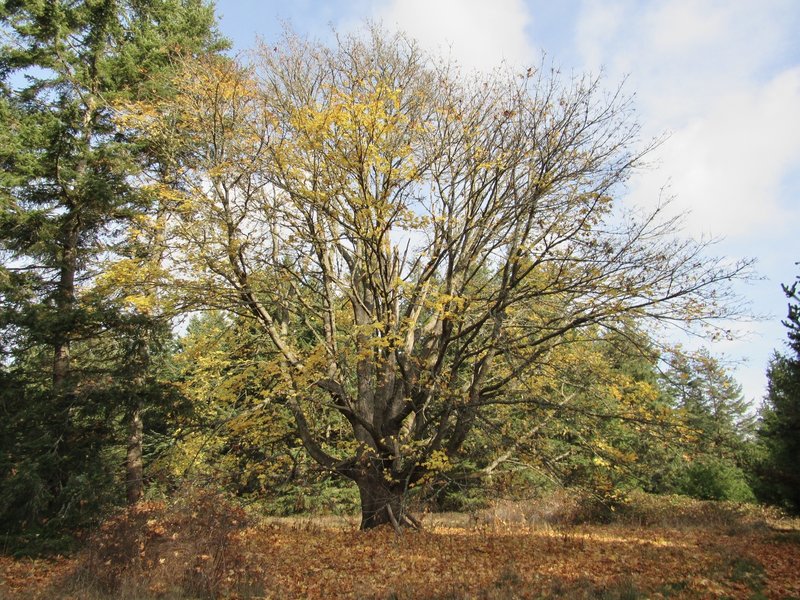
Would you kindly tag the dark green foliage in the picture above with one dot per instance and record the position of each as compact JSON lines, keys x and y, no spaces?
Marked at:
{"x":67,"y":185}
{"x":61,"y":456}
{"x":57,"y":463}
{"x":715,"y":411}
{"x":76,"y":365}
{"x":328,"y":495}
{"x":711,"y":478}
{"x":780,"y":416}
{"x":712,"y":457}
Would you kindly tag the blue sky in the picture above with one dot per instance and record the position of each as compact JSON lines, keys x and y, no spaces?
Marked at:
{"x":720,"y":77}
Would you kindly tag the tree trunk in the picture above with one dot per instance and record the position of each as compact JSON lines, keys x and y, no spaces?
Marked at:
{"x":377,"y":497}
{"x":134,"y":467}
{"x":65,"y":306}
{"x":60,"y":363}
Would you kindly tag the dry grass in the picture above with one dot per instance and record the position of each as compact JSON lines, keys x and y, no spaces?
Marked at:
{"x":204,"y":547}
{"x":192,"y":547}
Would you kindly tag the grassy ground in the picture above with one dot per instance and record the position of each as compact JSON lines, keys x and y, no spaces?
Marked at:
{"x":669,"y":548}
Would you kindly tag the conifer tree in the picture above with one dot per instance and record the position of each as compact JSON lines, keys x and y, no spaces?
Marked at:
{"x":780,"y":416}
{"x":68,"y":189}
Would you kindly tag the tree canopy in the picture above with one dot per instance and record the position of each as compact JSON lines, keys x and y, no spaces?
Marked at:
{"x":780,"y":414}
{"x":68,"y":191}
{"x":415,"y":244}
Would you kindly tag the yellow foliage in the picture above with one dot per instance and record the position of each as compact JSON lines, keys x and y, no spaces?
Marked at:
{"x":437,"y":462}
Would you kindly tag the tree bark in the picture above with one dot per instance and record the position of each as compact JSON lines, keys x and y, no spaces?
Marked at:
{"x":134,"y":466}
{"x":65,"y":304}
{"x":61,"y":363}
{"x":377,"y":495}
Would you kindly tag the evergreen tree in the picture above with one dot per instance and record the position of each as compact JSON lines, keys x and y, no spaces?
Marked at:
{"x":719,"y":430}
{"x":66,"y":188}
{"x":780,"y":415}
{"x":712,"y":402}
{"x":67,"y":192}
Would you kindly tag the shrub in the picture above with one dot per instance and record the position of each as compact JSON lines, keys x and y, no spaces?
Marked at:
{"x":642,"y":509}
{"x":335,"y":496}
{"x":191,"y":546}
{"x":715,"y":479}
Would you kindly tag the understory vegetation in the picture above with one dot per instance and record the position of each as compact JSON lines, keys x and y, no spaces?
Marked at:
{"x":200,"y":545}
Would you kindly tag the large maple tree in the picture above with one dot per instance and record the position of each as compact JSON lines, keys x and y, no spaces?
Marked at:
{"x":412,"y":242}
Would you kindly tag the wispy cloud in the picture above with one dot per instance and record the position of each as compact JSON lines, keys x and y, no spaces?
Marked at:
{"x":720,"y":77}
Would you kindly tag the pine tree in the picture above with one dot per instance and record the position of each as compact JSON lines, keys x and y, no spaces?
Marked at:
{"x":712,"y":402}
{"x":718,"y":429}
{"x":66,"y":188}
{"x":780,"y":415}
{"x":67,"y":192}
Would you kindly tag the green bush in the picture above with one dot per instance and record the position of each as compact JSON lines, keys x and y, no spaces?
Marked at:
{"x":714,"y":479}
{"x":59,"y":464}
{"x":328,"y":495}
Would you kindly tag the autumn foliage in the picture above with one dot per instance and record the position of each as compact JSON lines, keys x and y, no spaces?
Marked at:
{"x":411,"y":290}
{"x":416,"y":249}
{"x":201,"y":546}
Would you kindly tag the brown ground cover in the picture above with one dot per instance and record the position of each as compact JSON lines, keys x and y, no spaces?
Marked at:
{"x":188,"y":554}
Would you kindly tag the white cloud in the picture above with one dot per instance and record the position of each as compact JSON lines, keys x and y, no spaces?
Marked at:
{"x":727,"y":163}
{"x":709,"y":74}
{"x":722,"y":77}
{"x":479,"y":34}
{"x":598,"y":31}
{"x":685,"y":27}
